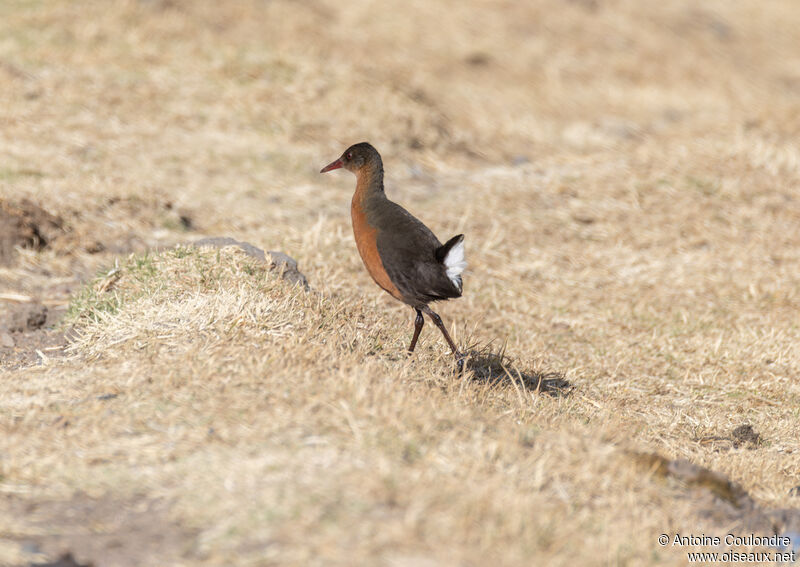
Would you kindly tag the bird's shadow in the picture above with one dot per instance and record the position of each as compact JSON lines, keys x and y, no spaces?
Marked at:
{"x":494,"y":367}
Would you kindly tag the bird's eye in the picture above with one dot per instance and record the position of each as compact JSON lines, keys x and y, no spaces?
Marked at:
{"x":349,"y":155}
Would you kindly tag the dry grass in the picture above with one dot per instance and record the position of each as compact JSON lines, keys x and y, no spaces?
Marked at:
{"x":626,"y":174}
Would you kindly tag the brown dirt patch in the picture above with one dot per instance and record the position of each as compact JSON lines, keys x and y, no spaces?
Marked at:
{"x":66,"y":560}
{"x":27,"y":337}
{"x":745,"y":435}
{"x":719,"y":498}
{"x":105,"y":531}
{"x":31,"y":348}
{"x":25,"y":317}
{"x":25,"y":225}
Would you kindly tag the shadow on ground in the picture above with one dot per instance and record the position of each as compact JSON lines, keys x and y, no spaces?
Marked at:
{"x":496,"y":368}
{"x":720,"y":499}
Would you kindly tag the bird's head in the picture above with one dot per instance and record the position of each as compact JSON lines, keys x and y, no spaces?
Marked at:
{"x":355,"y":158}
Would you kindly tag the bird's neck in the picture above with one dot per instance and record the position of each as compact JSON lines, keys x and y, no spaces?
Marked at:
{"x":369,"y":183}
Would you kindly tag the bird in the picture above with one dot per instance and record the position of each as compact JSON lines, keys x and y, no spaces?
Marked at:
{"x":402,"y":255}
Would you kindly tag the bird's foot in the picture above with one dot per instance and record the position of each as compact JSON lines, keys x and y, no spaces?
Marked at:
{"x":461,"y":358}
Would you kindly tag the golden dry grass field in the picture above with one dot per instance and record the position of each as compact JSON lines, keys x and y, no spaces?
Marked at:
{"x":626,"y":172}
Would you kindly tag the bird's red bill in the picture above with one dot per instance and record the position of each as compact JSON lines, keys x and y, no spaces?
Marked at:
{"x":331,"y":166}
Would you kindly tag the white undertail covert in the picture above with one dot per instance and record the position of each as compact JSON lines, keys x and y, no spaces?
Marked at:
{"x":455,"y":263}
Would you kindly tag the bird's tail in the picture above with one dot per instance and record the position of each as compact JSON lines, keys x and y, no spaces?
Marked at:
{"x":451,"y":254}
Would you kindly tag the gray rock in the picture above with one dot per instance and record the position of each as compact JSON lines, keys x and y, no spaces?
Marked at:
{"x":277,"y":260}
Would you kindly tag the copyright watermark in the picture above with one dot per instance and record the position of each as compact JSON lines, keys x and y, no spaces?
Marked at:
{"x":783,"y":549}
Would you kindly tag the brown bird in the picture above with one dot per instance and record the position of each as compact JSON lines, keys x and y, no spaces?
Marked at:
{"x":401,"y":254}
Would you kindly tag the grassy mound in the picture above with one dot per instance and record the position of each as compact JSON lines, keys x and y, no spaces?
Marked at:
{"x":273,"y":418}
{"x":212,"y":296}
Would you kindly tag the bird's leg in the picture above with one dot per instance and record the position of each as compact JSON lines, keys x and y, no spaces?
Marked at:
{"x":438,"y":322}
{"x":418,"y":322}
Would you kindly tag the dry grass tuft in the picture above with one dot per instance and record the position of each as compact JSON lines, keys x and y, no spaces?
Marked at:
{"x":212,"y":294}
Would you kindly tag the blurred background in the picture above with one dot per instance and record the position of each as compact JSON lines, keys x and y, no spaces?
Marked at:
{"x":222,"y":108}
{"x":143,"y":123}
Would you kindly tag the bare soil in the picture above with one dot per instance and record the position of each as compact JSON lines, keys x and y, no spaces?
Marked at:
{"x":25,"y":225}
{"x":102,"y":531}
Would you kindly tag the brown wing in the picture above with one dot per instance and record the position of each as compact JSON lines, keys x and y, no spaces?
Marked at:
{"x":408,"y":251}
